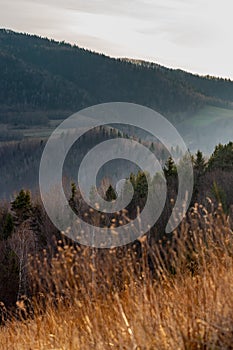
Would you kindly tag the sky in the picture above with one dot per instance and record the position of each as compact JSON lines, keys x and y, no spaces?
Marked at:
{"x":194,"y":35}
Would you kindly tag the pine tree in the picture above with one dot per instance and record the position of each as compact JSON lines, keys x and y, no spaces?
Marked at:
{"x":22,"y":207}
{"x":170,"y":168}
{"x":141,"y":188}
{"x":111,"y":194}
{"x":199,"y":162}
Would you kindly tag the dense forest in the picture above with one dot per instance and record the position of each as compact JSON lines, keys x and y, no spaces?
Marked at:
{"x":38,"y":74}
{"x":20,"y":160}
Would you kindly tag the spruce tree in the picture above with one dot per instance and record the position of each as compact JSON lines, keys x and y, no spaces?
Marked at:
{"x":170,"y":168}
{"x":111,"y":194}
{"x":199,"y":162}
{"x":22,"y":207}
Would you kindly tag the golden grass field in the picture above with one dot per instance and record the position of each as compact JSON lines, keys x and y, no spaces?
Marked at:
{"x":110,"y":299}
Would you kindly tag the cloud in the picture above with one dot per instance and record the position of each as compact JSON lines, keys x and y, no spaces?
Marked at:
{"x":194,"y":35}
{"x":29,"y":17}
{"x":143,"y":9}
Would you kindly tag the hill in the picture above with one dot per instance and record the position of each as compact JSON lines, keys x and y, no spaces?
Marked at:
{"x":38,"y":74}
{"x":217,"y":87}
{"x":43,"y":81}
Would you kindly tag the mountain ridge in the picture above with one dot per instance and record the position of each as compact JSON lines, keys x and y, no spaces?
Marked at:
{"x":42,"y":74}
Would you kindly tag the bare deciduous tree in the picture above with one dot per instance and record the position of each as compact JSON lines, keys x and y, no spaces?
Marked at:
{"x":23,"y":242}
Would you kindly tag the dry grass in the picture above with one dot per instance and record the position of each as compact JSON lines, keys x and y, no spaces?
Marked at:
{"x":111,"y":299}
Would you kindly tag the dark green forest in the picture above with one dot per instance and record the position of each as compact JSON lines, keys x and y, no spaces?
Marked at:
{"x":38,"y":74}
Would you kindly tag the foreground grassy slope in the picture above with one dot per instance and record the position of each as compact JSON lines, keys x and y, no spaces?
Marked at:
{"x":187,"y":305}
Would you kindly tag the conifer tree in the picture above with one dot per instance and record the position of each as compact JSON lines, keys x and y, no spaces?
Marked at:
{"x":111,"y":194}
{"x":199,"y":162}
{"x":22,"y":207}
{"x":141,"y":185}
{"x":170,"y":168}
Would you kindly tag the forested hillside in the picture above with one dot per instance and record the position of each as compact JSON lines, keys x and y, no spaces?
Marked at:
{"x":220,"y":88}
{"x":38,"y":74}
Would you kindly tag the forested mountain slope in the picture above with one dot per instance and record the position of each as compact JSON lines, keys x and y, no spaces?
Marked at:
{"x":41,"y":74}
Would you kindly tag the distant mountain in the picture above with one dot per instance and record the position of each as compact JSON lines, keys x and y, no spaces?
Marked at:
{"x":38,"y":74}
{"x":219,"y":88}
{"x":41,"y":79}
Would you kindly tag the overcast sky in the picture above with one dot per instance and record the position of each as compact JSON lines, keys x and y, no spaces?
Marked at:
{"x":195,"y":35}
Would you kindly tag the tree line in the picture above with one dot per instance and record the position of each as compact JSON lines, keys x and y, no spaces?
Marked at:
{"x":25,"y":227}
